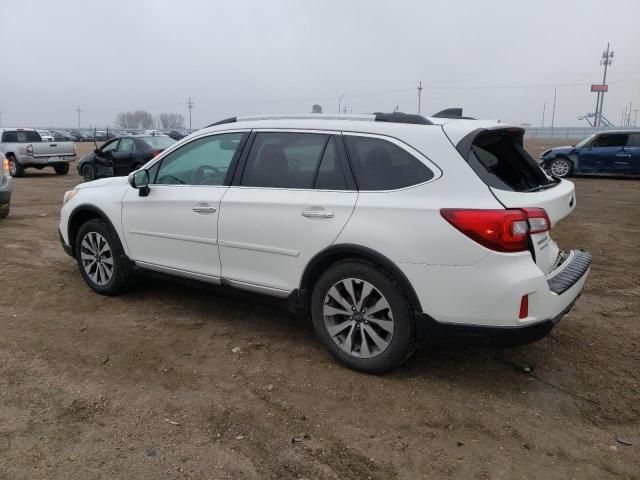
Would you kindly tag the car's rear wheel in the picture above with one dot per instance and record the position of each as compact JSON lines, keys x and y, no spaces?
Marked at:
{"x":15,"y":168}
{"x":61,"y":168}
{"x":362,"y":317}
{"x":561,"y":167}
{"x":4,"y":209}
{"x":88,"y":172}
{"x":101,"y":258}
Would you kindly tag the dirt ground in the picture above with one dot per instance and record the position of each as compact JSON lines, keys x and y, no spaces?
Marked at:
{"x":147,"y":385}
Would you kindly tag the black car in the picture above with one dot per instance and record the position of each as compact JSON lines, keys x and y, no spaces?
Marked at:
{"x":120,"y":156}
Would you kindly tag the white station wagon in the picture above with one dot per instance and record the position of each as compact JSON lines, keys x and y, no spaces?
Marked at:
{"x":388,"y":230}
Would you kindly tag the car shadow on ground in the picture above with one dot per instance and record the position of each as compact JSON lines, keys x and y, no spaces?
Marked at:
{"x":271,"y":317}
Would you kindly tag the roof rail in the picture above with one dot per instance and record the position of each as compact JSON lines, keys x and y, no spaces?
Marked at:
{"x":395,"y":117}
{"x":451,"y":113}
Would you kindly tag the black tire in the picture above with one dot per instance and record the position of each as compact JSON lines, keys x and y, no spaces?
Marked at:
{"x":400,"y":345}
{"x":61,"y":168}
{"x":121,"y":272}
{"x":88,"y":172}
{"x":16,"y":169}
{"x":559,"y":166}
{"x":4,"y":209}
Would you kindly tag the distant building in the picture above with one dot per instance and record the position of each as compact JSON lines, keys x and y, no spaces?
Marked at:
{"x":316,"y":109}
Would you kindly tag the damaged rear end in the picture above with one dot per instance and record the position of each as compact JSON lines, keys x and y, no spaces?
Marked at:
{"x":533,"y":204}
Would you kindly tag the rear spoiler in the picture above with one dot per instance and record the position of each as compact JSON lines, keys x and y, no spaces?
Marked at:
{"x":454,"y":113}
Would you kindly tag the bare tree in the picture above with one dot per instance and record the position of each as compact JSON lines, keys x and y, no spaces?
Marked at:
{"x":170,"y":120}
{"x":137,"y":119}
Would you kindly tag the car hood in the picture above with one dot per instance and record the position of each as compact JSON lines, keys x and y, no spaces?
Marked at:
{"x":103,"y":182}
{"x":558,"y":150}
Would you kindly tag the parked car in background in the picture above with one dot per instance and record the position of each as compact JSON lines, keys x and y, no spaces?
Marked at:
{"x":177,"y":134}
{"x":385,"y":229}
{"x":120,"y":156}
{"x":5,"y":187}
{"x":60,"y":136}
{"x":46,"y":136}
{"x":613,"y":152}
{"x":78,"y":136}
{"x":24,"y":149}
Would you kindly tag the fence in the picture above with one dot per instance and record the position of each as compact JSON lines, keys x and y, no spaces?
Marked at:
{"x":559,"y":133}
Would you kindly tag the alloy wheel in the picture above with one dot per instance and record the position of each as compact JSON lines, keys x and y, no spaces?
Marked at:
{"x":560,"y":168}
{"x":97,"y":258}
{"x":358,"y":318}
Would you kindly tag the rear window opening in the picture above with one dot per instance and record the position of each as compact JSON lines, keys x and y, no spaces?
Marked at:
{"x":501,"y":161}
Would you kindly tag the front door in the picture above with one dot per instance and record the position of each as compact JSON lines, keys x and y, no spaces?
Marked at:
{"x":122,"y":157}
{"x":175,"y":227}
{"x":292,"y":201}
{"x":605,"y":154}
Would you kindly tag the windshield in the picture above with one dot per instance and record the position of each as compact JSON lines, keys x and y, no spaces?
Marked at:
{"x":582,"y":143}
{"x":161,"y":142}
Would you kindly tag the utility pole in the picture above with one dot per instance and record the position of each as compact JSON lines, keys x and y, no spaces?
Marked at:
{"x":544,"y":108}
{"x":0,"y":119}
{"x":553,"y":113}
{"x":635,"y":118}
{"x":190,"y":105}
{"x":79,"y":110}
{"x":607,"y":58}
{"x":340,"y":103}
{"x":419,"y":96}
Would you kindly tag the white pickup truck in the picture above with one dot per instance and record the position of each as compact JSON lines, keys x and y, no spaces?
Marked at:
{"x":24,"y":148}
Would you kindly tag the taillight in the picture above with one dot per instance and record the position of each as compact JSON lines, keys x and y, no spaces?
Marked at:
{"x":29,"y":149}
{"x":538,"y":220}
{"x":75,"y":150}
{"x":499,"y":230}
{"x":5,"y":165}
{"x":524,"y":307}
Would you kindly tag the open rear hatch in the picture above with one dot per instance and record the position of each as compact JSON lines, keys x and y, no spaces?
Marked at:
{"x":498,"y":157}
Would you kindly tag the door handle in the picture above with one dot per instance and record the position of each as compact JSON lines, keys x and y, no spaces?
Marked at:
{"x":621,"y":163}
{"x":623,"y":154}
{"x":204,"y":209}
{"x":316,"y":213}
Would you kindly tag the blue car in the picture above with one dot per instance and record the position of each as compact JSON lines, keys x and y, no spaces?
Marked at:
{"x":614,"y":152}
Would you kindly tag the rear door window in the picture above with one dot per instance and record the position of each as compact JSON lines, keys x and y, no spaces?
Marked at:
{"x":610,"y":140}
{"x":634,"y":140}
{"x":379,"y":164}
{"x":284,"y":160}
{"x":501,"y":161}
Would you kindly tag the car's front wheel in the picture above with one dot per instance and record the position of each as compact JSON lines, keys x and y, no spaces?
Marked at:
{"x":561,"y":167}
{"x":362,"y":317}
{"x":88,"y":172}
{"x":101,"y":258}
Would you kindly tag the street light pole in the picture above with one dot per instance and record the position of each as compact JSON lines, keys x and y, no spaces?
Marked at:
{"x":607,"y":58}
{"x":340,"y":103}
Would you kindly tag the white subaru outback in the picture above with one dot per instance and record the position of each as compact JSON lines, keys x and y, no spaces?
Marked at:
{"x":389,"y":230}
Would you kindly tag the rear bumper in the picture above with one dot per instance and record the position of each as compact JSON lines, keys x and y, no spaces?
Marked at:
{"x":439,"y":333}
{"x":27,"y":161}
{"x":556,"y":299}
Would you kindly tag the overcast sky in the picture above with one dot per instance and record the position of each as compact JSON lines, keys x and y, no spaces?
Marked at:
{"x":243,"y":57}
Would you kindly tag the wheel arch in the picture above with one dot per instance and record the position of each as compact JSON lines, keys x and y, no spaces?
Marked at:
{"x":80,"y":215}
{"x":336,"y":253}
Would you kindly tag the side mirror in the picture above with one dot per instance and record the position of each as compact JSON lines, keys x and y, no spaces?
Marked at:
{"x":140,"y":181}
{"x":96,"y":150}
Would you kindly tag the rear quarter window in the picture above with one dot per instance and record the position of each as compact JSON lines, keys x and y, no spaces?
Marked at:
{"x":379,"y":164}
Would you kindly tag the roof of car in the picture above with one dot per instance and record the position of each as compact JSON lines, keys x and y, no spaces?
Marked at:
{"x":352,"y":123}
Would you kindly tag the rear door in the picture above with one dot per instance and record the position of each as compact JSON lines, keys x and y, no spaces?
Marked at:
{"x":292,"y":201}
{"x":499,"y":159}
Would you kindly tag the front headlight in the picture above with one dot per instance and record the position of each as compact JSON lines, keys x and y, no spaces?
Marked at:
{"x":68,"y":195}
